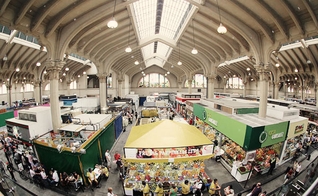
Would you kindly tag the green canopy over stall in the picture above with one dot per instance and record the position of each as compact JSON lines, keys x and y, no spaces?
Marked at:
{"x":90,"y":153}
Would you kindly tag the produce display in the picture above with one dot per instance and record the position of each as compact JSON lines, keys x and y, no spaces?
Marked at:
{"x":163,"y":172}
{"x":232,"y":151}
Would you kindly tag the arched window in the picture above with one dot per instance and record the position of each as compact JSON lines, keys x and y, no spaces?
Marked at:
{"x":235,"y":83}
{"x":3,"y":89}
{"x":154,"y":80}
{"x":198,"y":81}
{"x":28,"y":87}
{"x":73,"y":85}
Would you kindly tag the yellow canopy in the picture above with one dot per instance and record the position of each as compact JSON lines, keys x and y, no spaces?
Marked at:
{"x":165,"y":134}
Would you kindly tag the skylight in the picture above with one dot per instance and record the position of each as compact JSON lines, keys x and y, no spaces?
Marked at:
{"x":163,"y":19}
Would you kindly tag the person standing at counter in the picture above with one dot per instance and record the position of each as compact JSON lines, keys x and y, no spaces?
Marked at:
{"x":272,"y":164}
{"x":146,"y":189}
{"x":159,"y":190}
{"x":185,"y":188}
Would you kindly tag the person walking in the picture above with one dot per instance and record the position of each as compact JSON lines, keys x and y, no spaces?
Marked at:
{"x":10,"y":169}
{"x":197,"y":187}
{"x":110,"y":192}
{"x":215,"y":188}
{"x":108,"y":159}
{"x":173,"y":190}
{"x":256,"y":190}
{"x":297,"y":170}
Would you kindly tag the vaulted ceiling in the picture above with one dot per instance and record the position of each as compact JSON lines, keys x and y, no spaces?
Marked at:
{"x":161,"y":33}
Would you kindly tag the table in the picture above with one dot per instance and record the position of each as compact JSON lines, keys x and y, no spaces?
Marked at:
{"x":97,"y":172}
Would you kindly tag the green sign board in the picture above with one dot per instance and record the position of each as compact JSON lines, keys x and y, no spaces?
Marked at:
{"x":258,"y":137}
{"x":233,"y":129}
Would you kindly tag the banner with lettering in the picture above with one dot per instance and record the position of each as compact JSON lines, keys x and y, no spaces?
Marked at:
{"x":164,"y":153}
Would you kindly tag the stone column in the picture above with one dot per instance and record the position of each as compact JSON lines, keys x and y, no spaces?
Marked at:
{"x":23,"y":90}
{"x":180,"y":85}
{"x":316,"y":93}
{"x":190,"y":86}
{"x":224,"y":85}
{"x":53,"y":68}
{"x":276,"y":89}
{"x":9,"y":99}
{"x":244,"y":88}
{"x":102,"y":92}
{"x":120,"y":87}
{"x":68,"y":84}
{"x":37,"y":92}
{"x":263,"y":89}
{"x":210,"y":87}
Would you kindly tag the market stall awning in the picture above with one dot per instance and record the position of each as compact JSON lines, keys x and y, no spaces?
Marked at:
{"x":165,"y":134}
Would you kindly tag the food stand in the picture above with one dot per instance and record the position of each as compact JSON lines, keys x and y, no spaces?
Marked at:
{"x":165,"y":151}
{"x":236,"y":136}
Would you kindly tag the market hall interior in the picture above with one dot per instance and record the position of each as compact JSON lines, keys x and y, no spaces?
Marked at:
{"x":54,"y":50}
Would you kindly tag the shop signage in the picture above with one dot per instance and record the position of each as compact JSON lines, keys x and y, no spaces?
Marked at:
{"x":299,"y":128}
{"x":264,"y":135}
{"x":169,"y":153}
{"x":232,"y":128}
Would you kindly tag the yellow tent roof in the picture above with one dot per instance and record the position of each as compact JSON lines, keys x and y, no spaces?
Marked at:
{"x":165,"y":134}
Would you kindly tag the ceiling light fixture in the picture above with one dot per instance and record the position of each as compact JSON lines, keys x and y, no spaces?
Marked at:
{"x":128,"y":49}
{"x":17,"y":69}
{"x":221,"y":29}
{"x":84,"y":72}
{"x":277,"y":64}
{"x":66,"y":69}
{"x":136,"y":62}
{"x":296,"y":70}
{"x":44,"y":72}
{"x":112,"y":24}
{"x":308,"y":61}
{"x":247,"y":69}
{"x":64,"y":74}
{"x":179,"y":62}
{"x":5,"y":58}
{"x":194,"y":51}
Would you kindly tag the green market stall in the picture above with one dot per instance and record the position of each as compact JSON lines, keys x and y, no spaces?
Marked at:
{"x":243,"y":138}
{"x":91,"y":152}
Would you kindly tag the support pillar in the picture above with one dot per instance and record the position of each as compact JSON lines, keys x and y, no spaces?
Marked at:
{"x":276,"y":89}
{"x":210,"y":87}
{"x":224,"y":85}
{"x":9,"y":99}
{"x":37,"y":92}
{"x":102,"y":92}
{"x":23,"y":91}
{"x":244,"y":88}
{"x":68,"y":83}
{"x":120,"y":87}
{"x":190,"y":86}
{"x":180,"y":85}
{"x":53,"y":69}
{"x":263,"y":94}
{"x":316,"y":93}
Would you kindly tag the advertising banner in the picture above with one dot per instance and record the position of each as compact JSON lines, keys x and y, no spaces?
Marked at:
{"x":258,"y":137}
{"x":297,"y":127}
{"x":230,"y":127}
{"x":164,"y":153}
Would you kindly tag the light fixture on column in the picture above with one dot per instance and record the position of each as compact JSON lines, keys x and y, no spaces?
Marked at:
{"x":194,"y":51}
{"x":113,"y":23}
{"x":179,"y":62}
{"x":38,"y":64}
{"x":84,"y":72}
{"x":17,"y":69}
{"x":128,"y":49}
{"x":221,"y":29}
